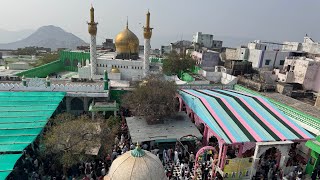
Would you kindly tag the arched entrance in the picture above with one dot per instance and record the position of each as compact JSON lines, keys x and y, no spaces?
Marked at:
{"x":77,"y":106}
{"x":202,"y":157}
{"x":268,"y":163}
{"x":261,"y":149}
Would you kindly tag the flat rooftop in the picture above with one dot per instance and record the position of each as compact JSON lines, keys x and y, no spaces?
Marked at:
{"x":299,"y":105}
{"x":8,"y":72}
{"x":172,"y":129}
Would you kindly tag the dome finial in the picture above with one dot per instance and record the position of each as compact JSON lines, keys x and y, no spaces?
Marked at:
{"x":127,"y":23}
{"x":137,"y":152}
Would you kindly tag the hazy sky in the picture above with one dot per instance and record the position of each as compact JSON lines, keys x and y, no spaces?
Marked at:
{"x":275,"y":20}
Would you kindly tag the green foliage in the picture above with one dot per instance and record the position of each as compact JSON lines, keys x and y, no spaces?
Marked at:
{"x":47,"y":58}
{"x":174,"y":63}
{"x":154,"y":98}
{"x":26,"y":51}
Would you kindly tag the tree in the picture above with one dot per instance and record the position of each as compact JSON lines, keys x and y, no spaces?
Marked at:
{"x":69,"y":137}
{"x":111,"y":128}
{"x":47,"y":58}
{"x":153,"y":99}
{"x":174,"y":63}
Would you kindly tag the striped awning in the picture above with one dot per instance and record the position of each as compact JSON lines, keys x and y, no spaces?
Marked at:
{"x":237,"y":117}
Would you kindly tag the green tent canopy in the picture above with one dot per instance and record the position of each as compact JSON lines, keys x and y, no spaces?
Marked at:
{"x":23,"y":116}
{"x":7,"y":162}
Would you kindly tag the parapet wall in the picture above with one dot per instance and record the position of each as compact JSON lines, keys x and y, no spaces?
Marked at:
{"x":40,"y":85}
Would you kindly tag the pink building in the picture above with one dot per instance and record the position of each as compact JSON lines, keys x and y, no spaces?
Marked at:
{"x":301,"y":70}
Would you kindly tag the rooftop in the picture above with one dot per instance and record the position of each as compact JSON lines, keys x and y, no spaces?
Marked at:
{"x":237,"y":117}
{"x":172,"y":129}
{"x":22,"y":118}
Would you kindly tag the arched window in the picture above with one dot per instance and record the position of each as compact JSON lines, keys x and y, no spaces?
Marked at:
{"x":76,"y":104}
{"x":67,"y":62}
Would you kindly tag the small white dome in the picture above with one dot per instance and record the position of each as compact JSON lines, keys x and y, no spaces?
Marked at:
{"x":136,"y":165}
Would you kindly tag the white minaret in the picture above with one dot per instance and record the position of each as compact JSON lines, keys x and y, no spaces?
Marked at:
{"x":147,"y":33}
{"x":92,"y":28}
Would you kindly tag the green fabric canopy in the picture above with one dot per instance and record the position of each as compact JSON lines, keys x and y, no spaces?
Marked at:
{"x":314,"y":144}
{"x":7,"y":162}
{"x":23,"y":115}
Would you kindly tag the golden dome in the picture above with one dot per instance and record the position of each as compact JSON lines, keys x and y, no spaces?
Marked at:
{"x":127,"y":42}
{"x":115,"y":70}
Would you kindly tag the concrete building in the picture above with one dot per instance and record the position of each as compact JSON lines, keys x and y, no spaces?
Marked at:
{"x":240,"y":53}
{"x":301,"y":70}
{"x":109,"y":45}
{"x":238,"y":67}
{"x":200,"y":40}
{"x":217,"y":44}
{"x":204,"y":40}
{"x":165,"y":49}
{"x":308,"y":45}
{"x":179,"y":47}
{"x":262,"y":57}
{"x":206,"y":59}
{"x":19,"y":66}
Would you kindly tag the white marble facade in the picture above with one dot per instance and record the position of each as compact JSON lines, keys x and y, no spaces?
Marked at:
{"x":130,"y":70}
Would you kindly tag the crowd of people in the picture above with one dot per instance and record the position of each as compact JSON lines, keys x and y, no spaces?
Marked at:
{"x":179,"y":163}
{"x":268,"y":167}
{"x":32,"y":167}
{"x":178,"y":160}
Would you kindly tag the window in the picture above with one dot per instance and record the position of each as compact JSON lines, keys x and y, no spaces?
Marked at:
{"x":292,"y":68}
{"x":267,"y":62}
{"x":281,"y":62}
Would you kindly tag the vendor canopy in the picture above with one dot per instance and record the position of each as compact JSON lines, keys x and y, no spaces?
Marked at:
{"x":23,"y":115}
{"x":237,"y":117}
{"x":171,"y":130}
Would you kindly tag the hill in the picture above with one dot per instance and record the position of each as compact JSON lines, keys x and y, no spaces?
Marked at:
{"x":47,"y":36}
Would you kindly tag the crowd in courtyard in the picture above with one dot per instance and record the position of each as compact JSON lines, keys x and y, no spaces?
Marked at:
{"x":179,"y":162}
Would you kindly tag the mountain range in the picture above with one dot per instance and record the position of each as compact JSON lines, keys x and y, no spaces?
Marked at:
{"x":49,"y":37}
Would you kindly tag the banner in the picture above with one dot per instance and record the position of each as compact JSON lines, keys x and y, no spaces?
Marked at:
{"x":237,"y":168}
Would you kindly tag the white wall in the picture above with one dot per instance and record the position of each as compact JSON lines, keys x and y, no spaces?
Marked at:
{"x":129,"y":69}
{"x":268,"y":55}
{"x":243,"y":53}
{"x":281,"y":56}
{"x":291,"y":46}
{"x":254,"y":56}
